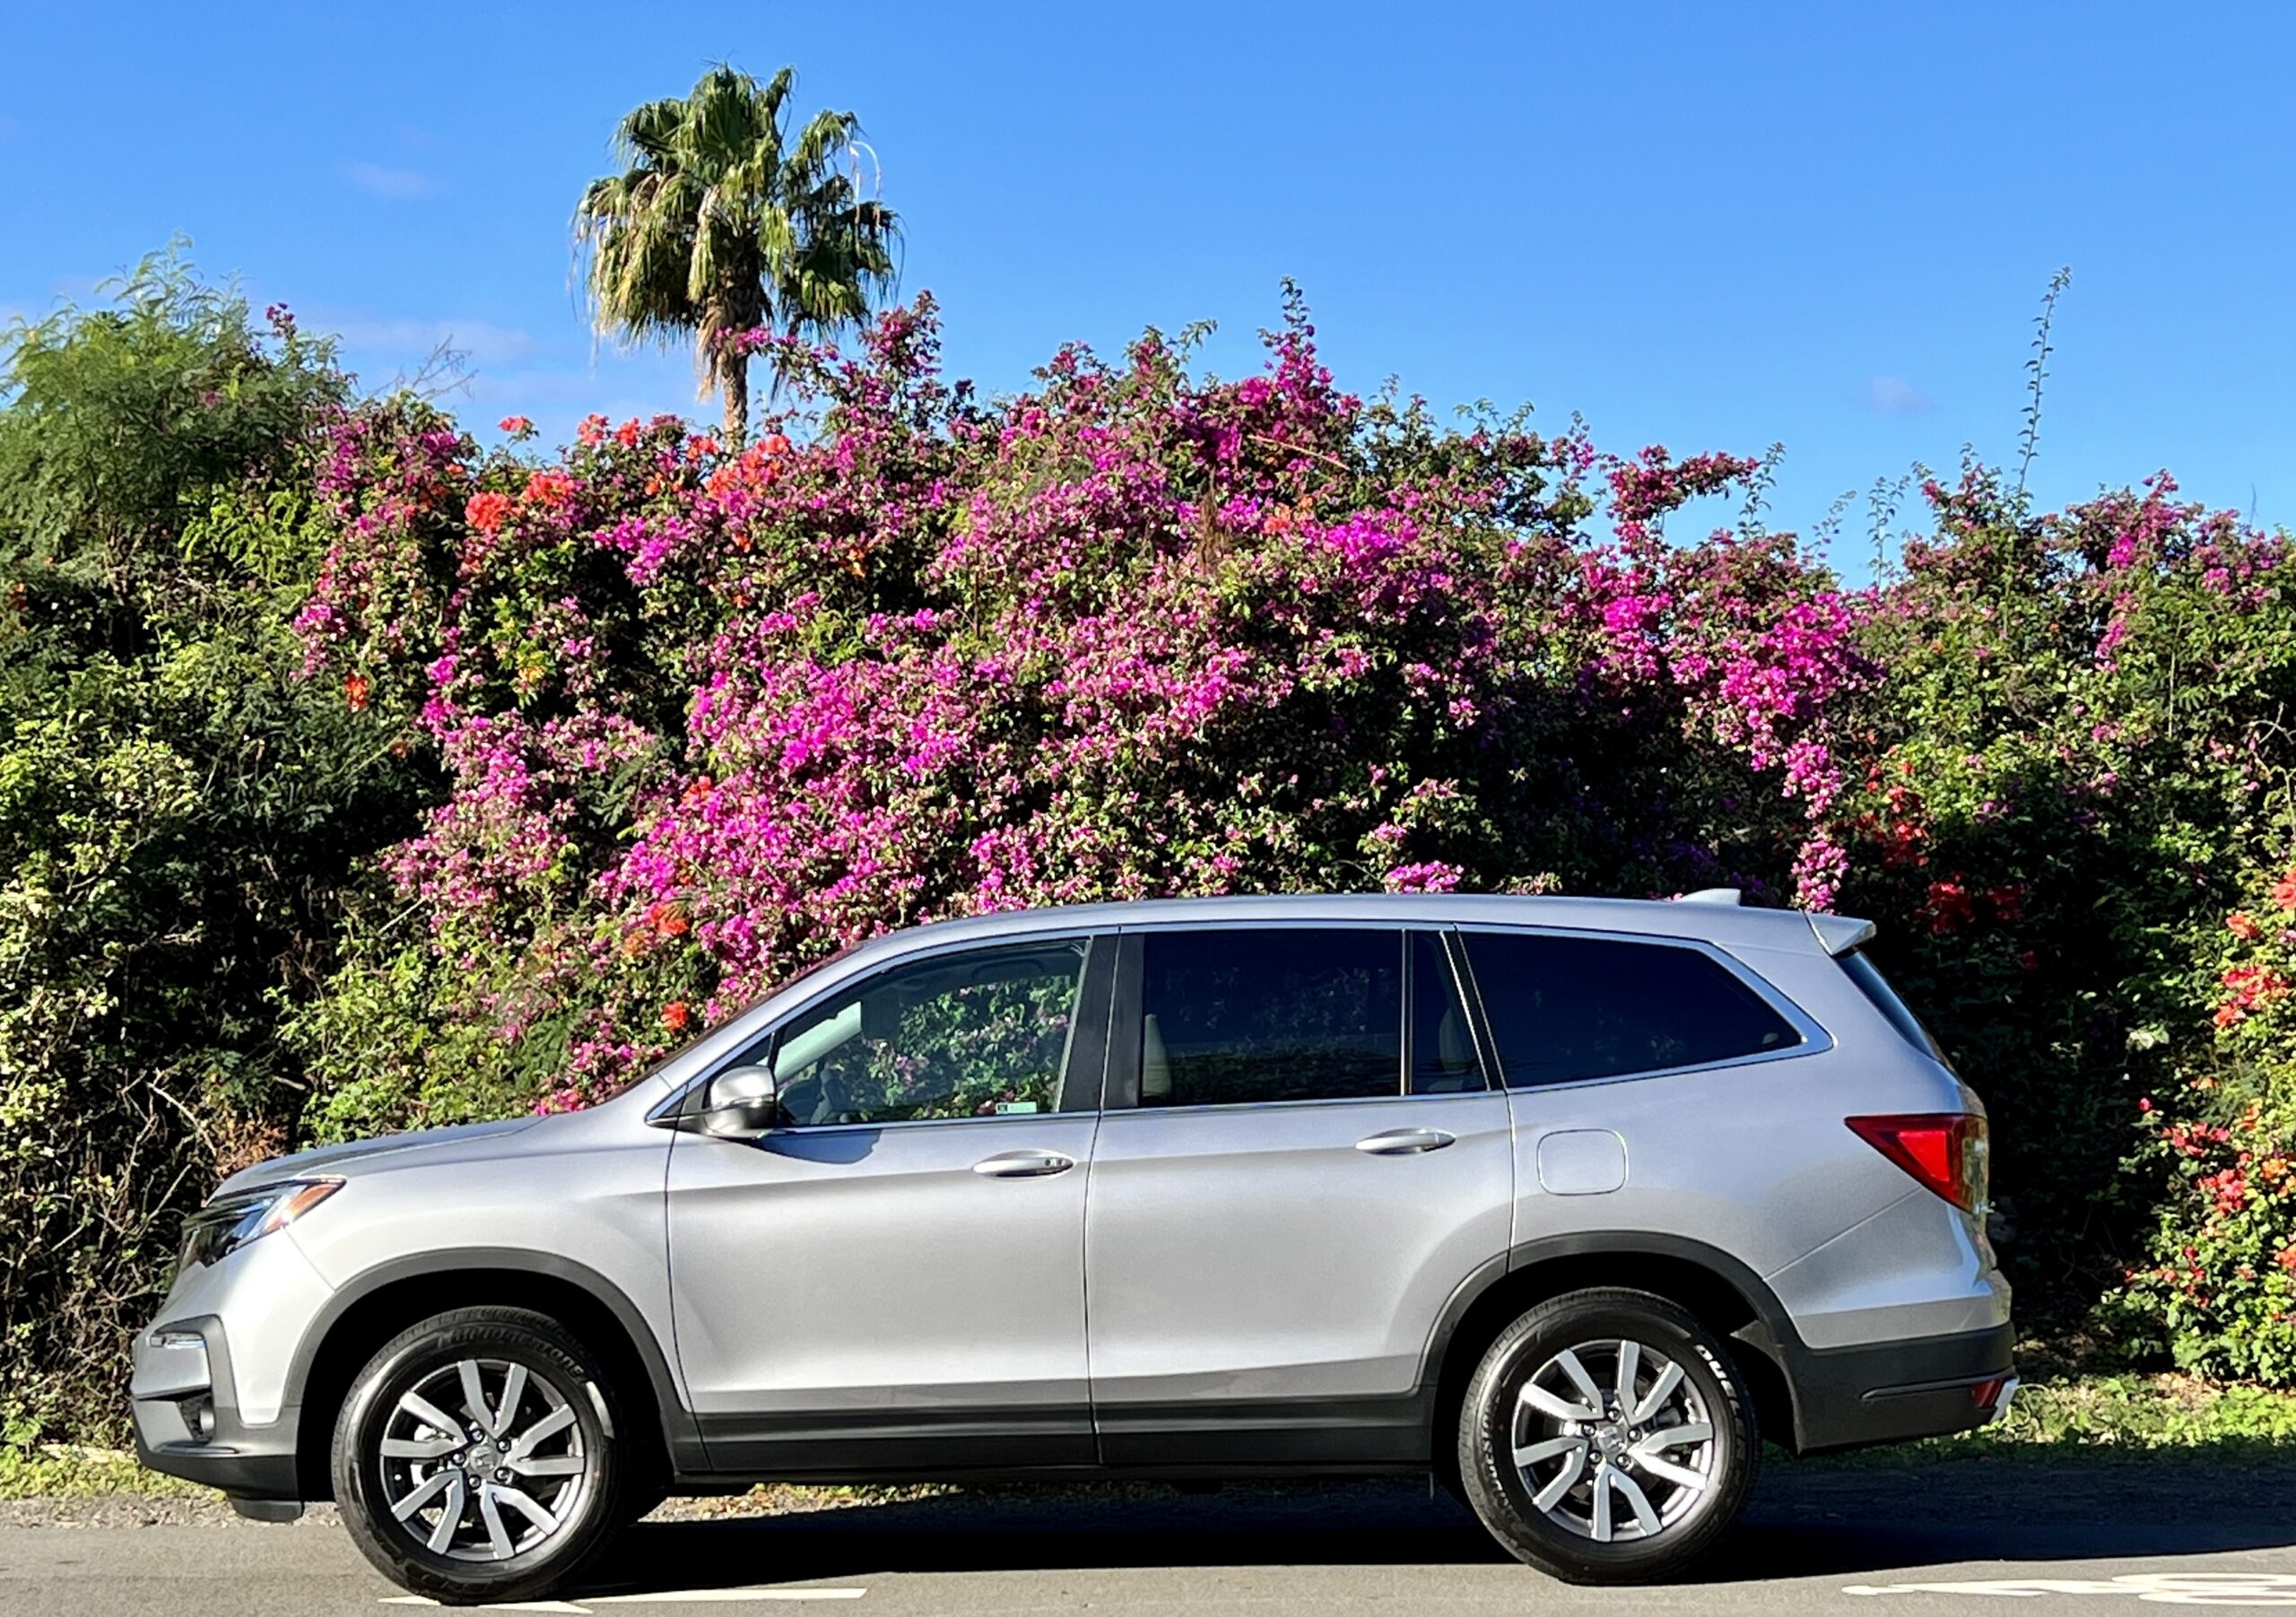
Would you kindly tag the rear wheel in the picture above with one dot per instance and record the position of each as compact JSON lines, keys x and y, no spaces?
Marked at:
{"x":474,"y":1459}
{"x":1607,"y":1438}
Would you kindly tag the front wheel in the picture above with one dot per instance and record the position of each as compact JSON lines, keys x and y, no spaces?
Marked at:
{"x":474,"y":1460}
{"x":1607,"y":1438}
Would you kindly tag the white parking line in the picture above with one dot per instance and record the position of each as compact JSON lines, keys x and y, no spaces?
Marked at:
{"x":2276,"y":1590}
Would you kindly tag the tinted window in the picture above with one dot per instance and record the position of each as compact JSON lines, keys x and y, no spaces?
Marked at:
{"x":1562,"y":1008}
{"x":1442,"y":1048}
{"x":1269,"y":1015}
{"x":977,"y":1032}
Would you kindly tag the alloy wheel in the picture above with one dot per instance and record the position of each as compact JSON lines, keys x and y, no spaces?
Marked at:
{"x":483,"y":1460}
{"x":1613,"y":1442}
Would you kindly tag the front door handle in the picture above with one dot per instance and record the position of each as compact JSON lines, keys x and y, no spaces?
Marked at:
{"x":1405,"y":1142}
{"x":1024,"y":1165}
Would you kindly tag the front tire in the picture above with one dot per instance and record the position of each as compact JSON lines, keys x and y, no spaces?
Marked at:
{"x":474,"y":1460}
{"x":1607,"y":1438}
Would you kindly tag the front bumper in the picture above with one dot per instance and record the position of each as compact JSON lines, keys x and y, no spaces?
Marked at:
{"x":212,"y":1394}
{"x":1892,"y":1392}
{"x":188,"y":1419}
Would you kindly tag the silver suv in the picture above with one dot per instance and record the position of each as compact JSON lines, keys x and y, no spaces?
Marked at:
{"x":1571,"y":1203}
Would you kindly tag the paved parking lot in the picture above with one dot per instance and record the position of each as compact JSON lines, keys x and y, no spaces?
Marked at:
{"x":1958,"y":1536}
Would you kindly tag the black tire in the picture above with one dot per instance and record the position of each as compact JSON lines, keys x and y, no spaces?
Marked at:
{"x":1612,"y":1457}
{"x":589,"y":1482}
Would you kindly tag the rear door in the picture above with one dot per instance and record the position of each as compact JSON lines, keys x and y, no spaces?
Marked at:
{"x":1299,"y":1165}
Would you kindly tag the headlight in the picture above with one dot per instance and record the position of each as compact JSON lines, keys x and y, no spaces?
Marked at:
{"x":230,"y":1222}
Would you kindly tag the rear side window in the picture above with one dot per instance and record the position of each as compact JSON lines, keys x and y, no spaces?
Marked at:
{"x":1261,"y":1014}
{"x":1876,"y":988}
{"x":1567,"y":1008}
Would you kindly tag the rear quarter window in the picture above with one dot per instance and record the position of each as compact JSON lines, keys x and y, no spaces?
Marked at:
{"x":1564,"y":1009}
{"x":1875,"y":987}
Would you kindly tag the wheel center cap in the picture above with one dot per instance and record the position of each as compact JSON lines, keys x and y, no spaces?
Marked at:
{"x":1610,"y":1439}
{"x":484,"y":1456}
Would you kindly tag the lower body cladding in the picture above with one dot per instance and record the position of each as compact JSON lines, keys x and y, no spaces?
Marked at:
{"x":1840,"y":1398}
{"x":187,"y":1424}
{"x":1892,"y":1392}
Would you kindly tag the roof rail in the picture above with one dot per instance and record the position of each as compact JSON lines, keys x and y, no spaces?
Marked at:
{"x":1840,"y":933}
{"x":1712,"y":895}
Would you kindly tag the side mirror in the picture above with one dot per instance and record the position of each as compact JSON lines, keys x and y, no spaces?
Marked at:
{"x":742,"y":1103}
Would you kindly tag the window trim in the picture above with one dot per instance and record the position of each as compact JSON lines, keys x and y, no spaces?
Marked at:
{"x":1455,"y":960}
{"x":1088,"y":1048}
{"x":1815,"y":1039}
{"x":1121,"y":1094}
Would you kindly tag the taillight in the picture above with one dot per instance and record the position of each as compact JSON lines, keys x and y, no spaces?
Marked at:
{"x":1944,"y":1150}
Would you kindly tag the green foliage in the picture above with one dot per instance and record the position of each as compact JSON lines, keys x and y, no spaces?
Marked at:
{"x":352,"y":777}
{"x":2075,"y":755}
{"x":178,"y":807}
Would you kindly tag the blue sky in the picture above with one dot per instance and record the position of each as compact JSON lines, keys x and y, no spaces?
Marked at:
{"x":1709,"y":227}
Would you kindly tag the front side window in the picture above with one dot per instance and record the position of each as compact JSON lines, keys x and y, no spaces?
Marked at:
{"x":979,"y":1033}
{"x":1562,"y":1008}
{"x":1260,"y":1014}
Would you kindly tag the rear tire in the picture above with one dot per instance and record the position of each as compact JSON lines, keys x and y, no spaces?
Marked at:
{"x":1607,"y":1438}
{"x":474,"y":1459}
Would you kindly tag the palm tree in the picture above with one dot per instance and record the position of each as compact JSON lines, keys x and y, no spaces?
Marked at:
{"x":721,"y":224}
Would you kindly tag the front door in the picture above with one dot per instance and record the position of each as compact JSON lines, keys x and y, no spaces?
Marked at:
{"x":1300,"y":1166}
{"x":894,"y":1280}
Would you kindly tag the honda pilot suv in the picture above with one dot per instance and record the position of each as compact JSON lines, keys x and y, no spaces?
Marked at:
{"x":1571,"y":1203}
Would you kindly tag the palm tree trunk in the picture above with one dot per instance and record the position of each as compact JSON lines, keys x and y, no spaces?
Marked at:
{"x":736,"y":381}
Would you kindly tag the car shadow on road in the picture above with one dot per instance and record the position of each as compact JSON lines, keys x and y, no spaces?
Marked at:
{"x":1805,"y":1521}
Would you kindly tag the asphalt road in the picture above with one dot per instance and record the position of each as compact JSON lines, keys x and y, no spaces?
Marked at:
{"x":1953,"y":1537}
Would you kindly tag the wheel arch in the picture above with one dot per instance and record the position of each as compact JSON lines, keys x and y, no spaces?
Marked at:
{"x":1727,"y":1296}
{"x":367,"y":1312}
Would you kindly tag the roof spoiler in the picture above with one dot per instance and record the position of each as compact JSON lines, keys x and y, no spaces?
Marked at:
{"x":1840,"y":933}
{"x":1712,"y":895}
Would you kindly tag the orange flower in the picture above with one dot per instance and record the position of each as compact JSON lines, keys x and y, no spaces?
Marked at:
{"x":486,"y":511}
{"x":553,"y":489}
{"x":626,"y":434}
{"x":773,"y":443}
{"x":2283,"y":892}
{"x":2243,"y":925}
{"x":515,"y":425}
{"x":355,"y":692}
{"x":674,"y":1016}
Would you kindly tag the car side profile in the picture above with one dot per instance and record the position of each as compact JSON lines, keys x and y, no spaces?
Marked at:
{"x":1570,"y":1203}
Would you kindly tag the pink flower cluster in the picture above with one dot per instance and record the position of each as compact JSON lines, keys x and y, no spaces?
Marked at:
{"x":1135,"y":633}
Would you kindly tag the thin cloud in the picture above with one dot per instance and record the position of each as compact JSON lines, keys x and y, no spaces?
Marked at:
{"x":1894,"y":395}
{"x":483,"y":342}
{"x":399,"y":184}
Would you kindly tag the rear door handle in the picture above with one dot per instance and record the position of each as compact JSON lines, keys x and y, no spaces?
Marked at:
{"x":1024,"y":1165}
{"x":1405,"y":1142}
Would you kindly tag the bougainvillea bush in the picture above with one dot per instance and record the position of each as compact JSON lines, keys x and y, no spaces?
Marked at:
{"x":711,"y":713}
{"x":2078,"y":758}
{"x":444,"y":782}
